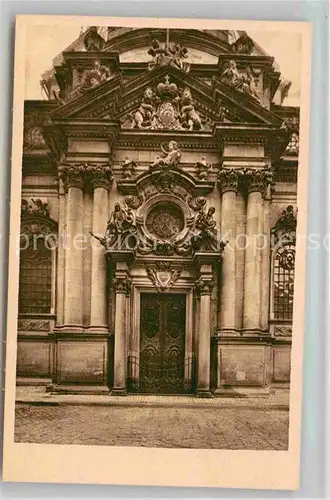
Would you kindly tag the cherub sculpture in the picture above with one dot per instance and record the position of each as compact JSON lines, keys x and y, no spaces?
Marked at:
{"x":189,"y":116}
{"x":171,"y":159}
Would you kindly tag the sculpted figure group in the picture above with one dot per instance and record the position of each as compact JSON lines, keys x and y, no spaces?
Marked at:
{"x":239,"y":81}
{"x":182,"y":106}
{"x":171,"y":54}
{"x":94,"y":77}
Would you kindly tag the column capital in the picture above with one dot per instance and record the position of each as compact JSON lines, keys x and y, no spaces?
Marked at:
{"x":122,"y":285}
{"x":260,"y":181}
{"x":100,"y":176}
{"x":78,"y":174}
{"x":204,"y":286}
{"x":71,"y":176}
{"x":228,"y":179}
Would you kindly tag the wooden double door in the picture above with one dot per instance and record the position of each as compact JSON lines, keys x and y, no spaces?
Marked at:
{"x":162,"y":343}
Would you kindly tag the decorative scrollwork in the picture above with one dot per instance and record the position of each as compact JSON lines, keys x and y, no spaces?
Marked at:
{"x":29,"y":325}
{"x":163,"y":274}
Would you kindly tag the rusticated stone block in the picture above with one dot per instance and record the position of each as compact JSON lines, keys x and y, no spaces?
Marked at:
{"x":281,"y":364}
{"x":82,"y":362}
{"x":242,"y":366}
{"x":34,"y":359}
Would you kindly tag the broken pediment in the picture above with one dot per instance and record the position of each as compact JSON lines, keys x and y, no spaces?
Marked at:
{"x":166,"y":98}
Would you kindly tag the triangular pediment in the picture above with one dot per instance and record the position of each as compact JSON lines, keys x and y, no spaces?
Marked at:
{"x":121,"y":100}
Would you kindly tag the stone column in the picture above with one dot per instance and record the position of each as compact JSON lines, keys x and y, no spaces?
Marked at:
{"x":228,"y":184}
{"x":61,"y":257}
{"x":265,"y":280}
{"x":257,"y":180}
{"x":101,"y":179}
{"x":73,"y":288}
{"x":240,"y":257}
{"x":122,"y":287}
{"x":204,"y":288}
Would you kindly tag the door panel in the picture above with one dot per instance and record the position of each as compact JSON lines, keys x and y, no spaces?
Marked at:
{"x":162,"y":345}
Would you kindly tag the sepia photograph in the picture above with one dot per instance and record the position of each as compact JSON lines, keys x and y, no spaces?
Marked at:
{"x":156,"y":235}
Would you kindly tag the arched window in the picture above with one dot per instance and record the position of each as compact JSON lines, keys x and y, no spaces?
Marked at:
{"x":37,"y":259}
{"x":284,"y":239}
{"x":35,"y":279}
{"x":283,"y":285}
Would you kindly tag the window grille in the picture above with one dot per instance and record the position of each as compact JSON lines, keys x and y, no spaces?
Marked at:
{"x":283,"y":286}
{"x":35,"y":280}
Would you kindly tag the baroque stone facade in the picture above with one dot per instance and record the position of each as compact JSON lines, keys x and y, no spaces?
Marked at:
{"x":167,"y":190}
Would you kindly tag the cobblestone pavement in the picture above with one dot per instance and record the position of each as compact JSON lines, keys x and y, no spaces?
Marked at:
{"x":225,"y":428}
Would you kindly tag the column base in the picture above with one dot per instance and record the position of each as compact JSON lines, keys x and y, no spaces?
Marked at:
{"x":98,"y":329}
{"x":117,"y":391}
{"x":204,"y":393}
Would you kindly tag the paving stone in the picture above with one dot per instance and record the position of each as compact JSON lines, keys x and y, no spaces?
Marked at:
{"x":214,"y":427}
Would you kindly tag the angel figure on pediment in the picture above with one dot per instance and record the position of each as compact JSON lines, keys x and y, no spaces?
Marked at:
{"x":171,"y":159}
